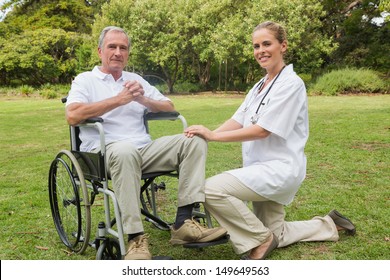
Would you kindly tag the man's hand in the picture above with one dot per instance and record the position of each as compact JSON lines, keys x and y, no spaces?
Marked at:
{"x":132,"y":90}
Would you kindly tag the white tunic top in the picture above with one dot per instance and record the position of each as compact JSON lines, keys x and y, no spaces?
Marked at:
{"x":122,"y":123}
{"x":274,"y":167}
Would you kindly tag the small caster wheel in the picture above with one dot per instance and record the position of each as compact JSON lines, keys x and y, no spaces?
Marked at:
{"x":109,"y":249}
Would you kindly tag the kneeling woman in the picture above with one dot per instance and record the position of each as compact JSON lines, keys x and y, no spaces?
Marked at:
{"x":272,"y":124}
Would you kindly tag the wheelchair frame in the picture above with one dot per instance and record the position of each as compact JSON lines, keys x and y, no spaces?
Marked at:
{"x":73,"y":174}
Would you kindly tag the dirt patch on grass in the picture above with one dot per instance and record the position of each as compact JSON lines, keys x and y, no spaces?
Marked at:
{"x":371,"y":146}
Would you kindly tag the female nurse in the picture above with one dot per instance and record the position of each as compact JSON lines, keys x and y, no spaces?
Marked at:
{"x":272,"y":124}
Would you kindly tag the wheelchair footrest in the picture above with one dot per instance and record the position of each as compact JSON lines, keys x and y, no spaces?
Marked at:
{"x":222,"y":240}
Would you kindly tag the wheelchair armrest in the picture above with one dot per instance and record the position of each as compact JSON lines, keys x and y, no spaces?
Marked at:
{"x":174,"y":115}
{"x":162,"y":115}
{"x":93,"y":120}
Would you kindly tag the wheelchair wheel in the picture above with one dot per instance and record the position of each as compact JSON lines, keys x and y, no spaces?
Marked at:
{"x":69,"y":202}
{"x":109,"y":250}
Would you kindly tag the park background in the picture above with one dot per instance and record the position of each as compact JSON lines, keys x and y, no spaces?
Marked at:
{"x":199,"y":53}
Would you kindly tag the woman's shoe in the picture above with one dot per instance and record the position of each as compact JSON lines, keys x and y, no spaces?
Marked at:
{"x":343,"y":222}
{"x":274,"y":244}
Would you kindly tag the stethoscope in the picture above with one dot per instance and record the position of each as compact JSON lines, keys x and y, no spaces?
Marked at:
{"x":259,"y":86}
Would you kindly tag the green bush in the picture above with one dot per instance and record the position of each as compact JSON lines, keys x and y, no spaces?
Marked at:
{"x":307,"y":78}
{"x":26,"y":90}
{"x":179,"y":87}
{"x":348,"y":80}
{"x":162,"y":88}
{"x":50,"y":91}
{"x":186,"y":87}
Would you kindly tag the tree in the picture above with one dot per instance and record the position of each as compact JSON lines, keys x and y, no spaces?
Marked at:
{"x":39,"y":56}
{"x":204,"y":42}
{"x":171,"y":35}
{"x":218,"y":38}
{"x":96,"y":5}
{"x":38,"y":43}
{"x":384,"y":6}
{"x":69,"y":15}
{"x":363,"y":41}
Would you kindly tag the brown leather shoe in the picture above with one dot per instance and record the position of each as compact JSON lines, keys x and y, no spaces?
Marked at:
{"x":343,"y":222}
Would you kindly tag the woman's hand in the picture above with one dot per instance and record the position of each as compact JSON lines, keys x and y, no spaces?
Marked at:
{"x":231,"y":131}
{"x":199,"y":130}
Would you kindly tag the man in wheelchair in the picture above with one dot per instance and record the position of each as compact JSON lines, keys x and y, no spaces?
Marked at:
{"x":120,"y":99}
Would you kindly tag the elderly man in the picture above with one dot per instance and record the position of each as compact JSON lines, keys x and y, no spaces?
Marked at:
{"x":120,"y":98}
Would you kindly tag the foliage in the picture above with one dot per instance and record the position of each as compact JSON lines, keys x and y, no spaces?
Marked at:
{"x":201,"y":42}
{"x":185,"y":39}
{"x":384,"y":6}
{"x":69,"y":15}
{"x":42,"y":41}
{"x":307,"y":44}
{"x":36,"y":57}
{"x":186,"y":87}
{"x":84,"y":55}
{"x":348,"y":81}
{"x":363,"y":42}
{"x":26,"y":90}
{"x":96,"y":5}
{"x":50,"y":91}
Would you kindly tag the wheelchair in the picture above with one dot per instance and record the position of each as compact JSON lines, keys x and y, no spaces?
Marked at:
{"x":75,"y":180}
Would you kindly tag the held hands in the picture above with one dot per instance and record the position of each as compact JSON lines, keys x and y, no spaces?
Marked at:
{"x":132,"y":91}
{"x":199,"y":130}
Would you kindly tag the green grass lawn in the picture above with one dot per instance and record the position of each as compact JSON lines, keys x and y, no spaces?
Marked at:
{"x":348,"y":170}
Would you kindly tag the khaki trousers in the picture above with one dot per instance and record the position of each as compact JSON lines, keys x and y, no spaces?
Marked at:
{"x":126,"y":163}
{"x":226,"y":200}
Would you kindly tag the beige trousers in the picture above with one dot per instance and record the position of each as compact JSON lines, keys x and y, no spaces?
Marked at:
{"x":226,"y":200}
{"x":126,"y":163}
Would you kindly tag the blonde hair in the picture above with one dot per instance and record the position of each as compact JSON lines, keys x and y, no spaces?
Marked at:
{"x":276,"y":29}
